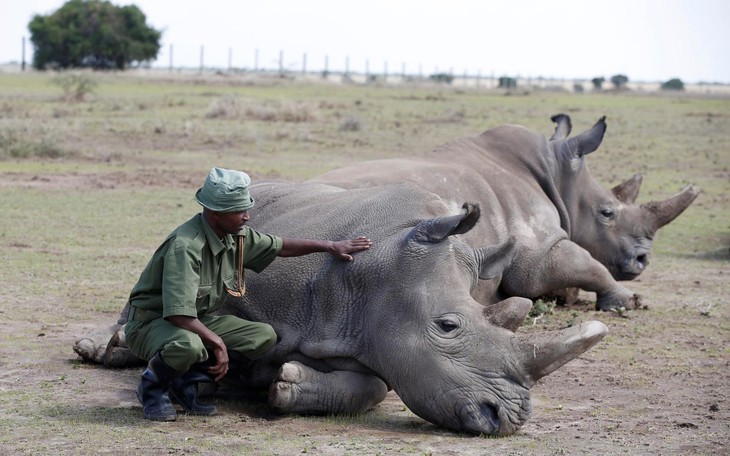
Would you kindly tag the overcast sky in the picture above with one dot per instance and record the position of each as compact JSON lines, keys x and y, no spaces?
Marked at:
{"x":646,"y":40}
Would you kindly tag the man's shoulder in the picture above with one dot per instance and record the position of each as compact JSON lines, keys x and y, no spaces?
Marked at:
{"x":189,"y":235}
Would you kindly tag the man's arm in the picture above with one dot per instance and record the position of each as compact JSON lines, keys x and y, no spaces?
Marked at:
{"x":292,"y":247}
{"x":210,"y":339}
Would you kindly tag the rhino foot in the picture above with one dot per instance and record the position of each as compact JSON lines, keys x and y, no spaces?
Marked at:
{"x":615,"y":301}
{"x":93,"y":347}
{"x":302,"y":389}
{"x":284,"y":392}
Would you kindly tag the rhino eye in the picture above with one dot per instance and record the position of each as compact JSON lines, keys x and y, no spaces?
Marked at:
{"x":448,"y":325}
{"x":608,"y":213}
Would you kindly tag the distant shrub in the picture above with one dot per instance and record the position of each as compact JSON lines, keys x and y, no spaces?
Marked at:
{"x":15,"y":145}
{"x":351,"y":123}
{"x":673,"y":84}
{"x":619,"y":80}
{"x":229,"y":107}
{"x":505,"y":82}
{"x":598,"y":82}
{"x":75,"y":86}
{"x":222,"y":108}
{"x":444,"y":78}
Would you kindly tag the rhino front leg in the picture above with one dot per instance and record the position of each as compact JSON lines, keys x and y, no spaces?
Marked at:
{"x":568,"y":265}
{"x":585,"y":272}
{"x":301,"y":389}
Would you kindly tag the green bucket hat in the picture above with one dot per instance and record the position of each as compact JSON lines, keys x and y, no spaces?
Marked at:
{"x":225,"y":190}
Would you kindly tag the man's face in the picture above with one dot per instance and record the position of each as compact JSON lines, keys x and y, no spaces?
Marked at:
{"x":231,"y":222}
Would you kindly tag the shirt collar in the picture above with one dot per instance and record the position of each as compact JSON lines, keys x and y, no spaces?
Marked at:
{"x":216,"y":245}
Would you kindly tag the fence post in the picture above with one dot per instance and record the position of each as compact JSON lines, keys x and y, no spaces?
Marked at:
{"x":230,"y":59}
{"x":281,"y":63}
{"x":256,"y":61}
{"x":304,"y":64}
{"x":202,"y":54}
{"x":171,"y":58}
{"x":325,"y":73}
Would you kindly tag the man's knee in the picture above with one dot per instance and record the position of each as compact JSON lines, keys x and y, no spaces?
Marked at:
{"x":268,"y":337}
{"x":184,"y":351}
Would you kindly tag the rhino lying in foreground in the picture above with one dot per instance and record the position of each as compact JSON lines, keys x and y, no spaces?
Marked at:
{"x":570,"y":231}
{"x":400,"y":316}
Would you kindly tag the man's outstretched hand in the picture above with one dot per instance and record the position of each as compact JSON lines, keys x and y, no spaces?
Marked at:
{"x":342,"y":249}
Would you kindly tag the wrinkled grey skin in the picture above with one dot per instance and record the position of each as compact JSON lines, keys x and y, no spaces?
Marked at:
{"x":399,"y":316}
{"x":570,"y":232}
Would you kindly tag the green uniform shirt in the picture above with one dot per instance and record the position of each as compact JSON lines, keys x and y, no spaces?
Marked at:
{"x":189,"y":273}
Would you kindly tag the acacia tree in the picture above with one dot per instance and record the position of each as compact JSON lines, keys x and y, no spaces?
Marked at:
{"x":94,"y":34}
{"x":619,"y":80}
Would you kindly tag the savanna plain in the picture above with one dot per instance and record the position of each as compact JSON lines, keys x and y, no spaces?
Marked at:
{"x":89,"y":187}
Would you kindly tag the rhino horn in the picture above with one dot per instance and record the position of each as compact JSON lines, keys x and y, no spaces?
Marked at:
{"x":439,"y":228}
{"x":584,"y":143}
{"x":663,"y":212}
{"x":494,"y":259}
{"x":628,"y":191}
{"x":510,"y":313}
{"x":563,"y":127}
{"x":543,"y":353}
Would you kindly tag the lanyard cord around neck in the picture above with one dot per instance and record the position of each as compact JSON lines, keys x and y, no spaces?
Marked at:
{"x":240,"y":272}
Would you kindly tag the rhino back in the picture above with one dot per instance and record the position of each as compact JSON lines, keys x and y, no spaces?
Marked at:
{"x":316,"y":304}
{"x":508,"y":170}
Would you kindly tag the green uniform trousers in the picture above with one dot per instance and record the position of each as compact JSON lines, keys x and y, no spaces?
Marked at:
{"x":181,"y":348}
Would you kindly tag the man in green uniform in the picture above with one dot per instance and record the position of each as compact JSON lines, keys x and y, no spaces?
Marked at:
{"x":189,"y":276}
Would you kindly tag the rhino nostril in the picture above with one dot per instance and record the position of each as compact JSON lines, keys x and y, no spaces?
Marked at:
{"x":641,"y":261}
{"x":489,"y":412}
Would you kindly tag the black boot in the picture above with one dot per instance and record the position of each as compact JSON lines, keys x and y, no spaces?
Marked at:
{"x":153,"y":390}
{"x":185,"y":390}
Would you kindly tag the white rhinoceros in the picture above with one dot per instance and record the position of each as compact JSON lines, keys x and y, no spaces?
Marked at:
{"x":570,"y":232}
{"x":400,"y":316}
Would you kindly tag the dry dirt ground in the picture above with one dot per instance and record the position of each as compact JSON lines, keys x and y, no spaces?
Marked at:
{"x":658,"y":384}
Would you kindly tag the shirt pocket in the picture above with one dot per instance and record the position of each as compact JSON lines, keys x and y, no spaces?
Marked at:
{"x":231,"y":281}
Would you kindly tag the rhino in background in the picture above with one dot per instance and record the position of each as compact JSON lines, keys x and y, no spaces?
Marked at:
{"x":400,"y":316}
{"x":570,"y":231}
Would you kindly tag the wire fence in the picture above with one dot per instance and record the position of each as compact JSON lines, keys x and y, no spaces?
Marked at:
{"x":300,"y":68}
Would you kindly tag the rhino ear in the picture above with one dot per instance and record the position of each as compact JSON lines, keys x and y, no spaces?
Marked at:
{"x":439,"y":228}
{"x":510,"y":313}
{"x":584,"y":143}
{"x":563,"y":127}
{"x":628,"y":191}
{"x":494,"y":259}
